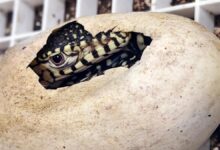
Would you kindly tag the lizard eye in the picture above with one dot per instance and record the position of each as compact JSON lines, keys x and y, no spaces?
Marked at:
{"x":57,"y":59}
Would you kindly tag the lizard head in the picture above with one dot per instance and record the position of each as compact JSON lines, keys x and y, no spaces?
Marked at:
{"x":61,"y":52}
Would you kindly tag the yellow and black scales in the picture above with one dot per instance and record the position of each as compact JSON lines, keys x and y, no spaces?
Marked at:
{"x":72,"y":55}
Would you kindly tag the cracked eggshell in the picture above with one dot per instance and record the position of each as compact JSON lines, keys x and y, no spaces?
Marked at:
{"x":168,"y":100}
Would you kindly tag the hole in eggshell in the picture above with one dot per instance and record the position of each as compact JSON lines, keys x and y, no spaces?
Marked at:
{"x":96,"y":54}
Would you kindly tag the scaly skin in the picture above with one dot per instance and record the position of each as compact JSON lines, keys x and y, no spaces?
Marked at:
{"x":72,"y":55}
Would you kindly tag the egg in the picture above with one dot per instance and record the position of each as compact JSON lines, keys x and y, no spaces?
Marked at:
{"x":170,"y":99}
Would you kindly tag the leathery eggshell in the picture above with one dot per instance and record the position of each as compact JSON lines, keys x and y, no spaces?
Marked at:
{"x":170,"y":99}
